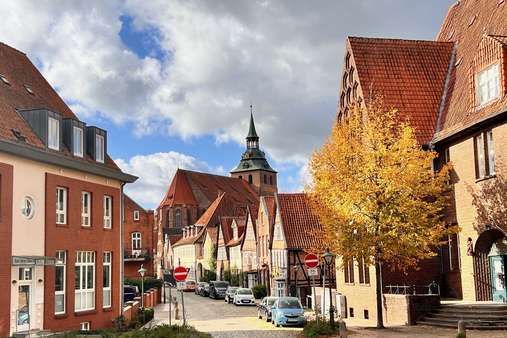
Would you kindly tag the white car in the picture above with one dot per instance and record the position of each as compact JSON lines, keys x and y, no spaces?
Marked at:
{"x":244,"y":296}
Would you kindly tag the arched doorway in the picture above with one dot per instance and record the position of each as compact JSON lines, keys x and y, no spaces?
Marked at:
{"x":484,"y":284}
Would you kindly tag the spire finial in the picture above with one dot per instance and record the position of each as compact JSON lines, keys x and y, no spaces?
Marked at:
{"x":252,"y":133}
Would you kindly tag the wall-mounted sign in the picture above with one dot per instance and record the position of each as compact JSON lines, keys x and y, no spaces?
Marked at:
{"x":33,"y":260}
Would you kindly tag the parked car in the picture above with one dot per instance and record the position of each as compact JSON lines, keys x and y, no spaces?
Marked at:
{"x":287,"y":311}
{"x":217,"y":289}
{"x":244,"y":296}
{"x":189,"y":286}
{"x":129,"y":292}
{"x":205,"y":290}
{"x":264,"y":308}
{"x":198,"y":287}
{"x":229,"y":294}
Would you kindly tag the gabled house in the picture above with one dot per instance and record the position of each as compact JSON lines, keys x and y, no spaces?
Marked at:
{"x":138,"y":248}
{"x":264,"y":223}
{"x":297,"y":232}
{"x":249,"y":250}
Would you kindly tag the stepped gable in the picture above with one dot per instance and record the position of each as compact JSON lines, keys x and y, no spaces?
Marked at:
{"x":468,"y":24}
{"x":301,"y":226}
{"x":23,"y":76}
{"x":408,"y":75}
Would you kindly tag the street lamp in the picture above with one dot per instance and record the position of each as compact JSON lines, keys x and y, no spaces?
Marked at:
{"x":142,"y":271}
{"x":328,"y":259}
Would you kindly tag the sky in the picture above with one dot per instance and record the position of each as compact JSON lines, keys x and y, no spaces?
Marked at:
{"x":172,"y":80}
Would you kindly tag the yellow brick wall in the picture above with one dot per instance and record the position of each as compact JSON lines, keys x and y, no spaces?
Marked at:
{"x":462,"y":158}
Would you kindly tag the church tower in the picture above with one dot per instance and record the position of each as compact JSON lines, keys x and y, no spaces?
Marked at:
{"x":253,"y":167}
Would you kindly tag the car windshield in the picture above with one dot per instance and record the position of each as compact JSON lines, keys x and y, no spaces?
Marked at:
{"x":232,"y":289}
{"x":190,"y":283}
{"x":244,"y":292}
{"x":271,"y":301}
{"x":289,"y":303}
{"x":221,"y":285}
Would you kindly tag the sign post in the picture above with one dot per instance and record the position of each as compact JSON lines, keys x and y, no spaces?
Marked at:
{"x":311,"y":262}
{"x":180,"y":274}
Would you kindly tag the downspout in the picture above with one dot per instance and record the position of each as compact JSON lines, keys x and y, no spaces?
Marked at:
{"x":122,"y":244}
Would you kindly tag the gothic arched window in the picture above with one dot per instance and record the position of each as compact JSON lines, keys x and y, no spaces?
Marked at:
{"x":177,"y":218}
{"x":250,"y":179}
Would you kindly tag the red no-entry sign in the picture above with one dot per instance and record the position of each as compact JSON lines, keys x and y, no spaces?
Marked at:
{"x":311,"y":261}
{"x":180,"y":273}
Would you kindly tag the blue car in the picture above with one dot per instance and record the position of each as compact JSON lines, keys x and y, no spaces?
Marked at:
{"x":288,"y":311}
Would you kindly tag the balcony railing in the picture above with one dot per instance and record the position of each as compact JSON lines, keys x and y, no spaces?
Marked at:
{"x":137,"y":254}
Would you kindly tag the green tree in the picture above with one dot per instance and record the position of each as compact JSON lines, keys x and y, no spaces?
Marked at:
{"x":376,"y":193}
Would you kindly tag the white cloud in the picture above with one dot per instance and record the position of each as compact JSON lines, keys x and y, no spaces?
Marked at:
{"x":155,"y":172}
{"x":282,"y":56}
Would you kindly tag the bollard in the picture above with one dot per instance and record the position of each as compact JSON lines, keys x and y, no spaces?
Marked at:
{"x":462,"y":329}
{"x":342,"y":329}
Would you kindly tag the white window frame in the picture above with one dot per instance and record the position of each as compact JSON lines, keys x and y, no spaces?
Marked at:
{"x":84,"y":326}
{"x":99,"y":148}
{"x":136,"y":240}
{"x":136,"y":215}
{"x":61,"y":209}
{"x":491,"y":152}
{"x":61,"y":260}
{"x":108,"y":210}
{"x":106,"y":290}
{"x":78,"y":134}
{"x":53,"y":133}
{"x":488,"y":85}
{"x":84,"y":292}
{"x":86,"y":210}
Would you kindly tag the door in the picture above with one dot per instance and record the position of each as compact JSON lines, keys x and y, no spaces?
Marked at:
{"x":24,"y":310}
{"x":497,"y":266}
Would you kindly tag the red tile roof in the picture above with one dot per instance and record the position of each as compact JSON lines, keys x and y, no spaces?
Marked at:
{"x":490,"y":19}
{"x":187,"y":185}
{"x":179,"y":192}
{"x":20,"y":72}
{"x":408,"y":75}
{"x":301,"y":226}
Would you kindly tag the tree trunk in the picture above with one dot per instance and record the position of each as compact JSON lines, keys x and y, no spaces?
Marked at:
{"x":378,"y":282}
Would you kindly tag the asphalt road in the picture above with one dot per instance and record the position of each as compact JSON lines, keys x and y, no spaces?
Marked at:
{"x":224,"y":320}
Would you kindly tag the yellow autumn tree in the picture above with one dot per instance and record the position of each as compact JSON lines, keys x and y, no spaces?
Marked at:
{"x":376,"y":193}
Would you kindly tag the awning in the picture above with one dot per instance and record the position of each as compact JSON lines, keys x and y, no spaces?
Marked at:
{"x":32,"y":260}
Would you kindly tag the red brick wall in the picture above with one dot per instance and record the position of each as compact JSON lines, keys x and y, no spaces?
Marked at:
{"x":427,"y":271}
{"x":145,"y":226}
{"x":6,"y":246}
{"x":72,"y":237}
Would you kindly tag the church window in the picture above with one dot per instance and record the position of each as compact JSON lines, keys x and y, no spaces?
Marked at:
{"x":271,"y":180}
{"x":240,"y":177}
{"x":265,"y":179}
{"x":177,"y":218}
{"x":250,"y":179}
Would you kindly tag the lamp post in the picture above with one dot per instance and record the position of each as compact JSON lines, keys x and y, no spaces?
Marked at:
{"x":328,"y":259}
{"x":142,"y":271}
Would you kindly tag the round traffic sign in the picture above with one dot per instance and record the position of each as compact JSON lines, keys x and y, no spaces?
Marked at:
{"x":180,"y":273}
{"x":311,"y":260}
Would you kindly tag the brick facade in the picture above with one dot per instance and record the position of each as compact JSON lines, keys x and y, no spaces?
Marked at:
{"x":144,"y":225}
{"x":6,"y":247}
{"x":72,"y":237}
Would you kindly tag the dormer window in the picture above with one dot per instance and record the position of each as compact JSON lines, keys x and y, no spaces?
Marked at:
{"x":99,"y":148}
{"x":488,"y":85}
{"x":53,"y":133}
{"x":78,"y":141}
{"x":4,"y":80}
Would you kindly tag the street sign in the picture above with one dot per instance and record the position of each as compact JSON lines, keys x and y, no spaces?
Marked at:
{"x":312,"y":272}
{"x":180,"y":273}
{"x":311,"y":260}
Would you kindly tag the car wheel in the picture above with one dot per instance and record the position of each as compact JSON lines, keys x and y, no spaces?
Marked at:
{"x":268,"y":319}
{"x":259,"y":314}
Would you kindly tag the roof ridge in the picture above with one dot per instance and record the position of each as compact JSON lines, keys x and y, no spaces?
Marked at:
{"x":399,"y":40}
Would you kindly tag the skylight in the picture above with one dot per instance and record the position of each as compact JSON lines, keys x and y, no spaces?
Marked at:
{"x":29,"y":90}
{"x":4,"y":80}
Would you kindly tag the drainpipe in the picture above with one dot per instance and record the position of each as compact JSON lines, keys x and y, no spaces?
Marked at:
{"x":122,"y":232}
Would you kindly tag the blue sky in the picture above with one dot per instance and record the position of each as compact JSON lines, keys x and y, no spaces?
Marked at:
{"x":172,"y":80}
